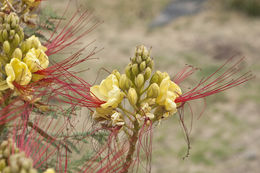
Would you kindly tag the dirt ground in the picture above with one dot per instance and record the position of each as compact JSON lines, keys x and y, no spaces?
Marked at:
{"x":226,"y":138}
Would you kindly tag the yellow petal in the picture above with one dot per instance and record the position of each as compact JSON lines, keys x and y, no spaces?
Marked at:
{"x":17,"y":71}
{"x":95,"y":91}
{"x":36,"y":60}
{"x":170,"y":105}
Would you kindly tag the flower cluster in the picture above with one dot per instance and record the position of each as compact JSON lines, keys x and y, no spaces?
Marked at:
{"x":21,"y":58}
{"x":151,"y":95}
{"x":15,"y":161}
{"x":140,"y":98}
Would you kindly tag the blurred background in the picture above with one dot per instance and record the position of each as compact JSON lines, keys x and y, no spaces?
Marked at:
{"x":203,"y":33}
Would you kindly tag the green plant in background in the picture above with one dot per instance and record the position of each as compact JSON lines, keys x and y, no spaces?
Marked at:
{"x":250,"y":7}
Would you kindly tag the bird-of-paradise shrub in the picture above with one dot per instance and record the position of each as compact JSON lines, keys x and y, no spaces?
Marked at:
{"x":40,"y":99}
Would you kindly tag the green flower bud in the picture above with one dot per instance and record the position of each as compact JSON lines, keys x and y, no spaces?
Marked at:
{"x":12,"y":33}
{"x":2,"y":164}
{"x":150,"y":64}
{"x":142,"y":66}
{"x":117,"y":74}
{"x":28,"y":45}
{"x":133,"y":59}
{"x":139,"y":50}
{"x":6,"y":47}
{"x":27,"y":164}
{"x":155,"y":78}
{"x":23,"y":47}
{"x":16,"y":40}
{"x":13,"y":24}
{"x":128,"y":84}
{"x":5,"y":34}
{"x":145,"y":53}
{"x":128,"y":71}
{"x":139,"y":81}
{"x":20,"y":32}
{"x":148,"y":60}
{"x":139,"y":59}
{"x":147,"y":73}
{"x":6,"y":152}
{"x":1,"y":37}
{"x":3,"y":145}
{"x":132,"y":96}
{"x":7,"y":27}
{"x":18,"y":53}
{"x":9,"y":18}
{"x":14,"y":167}
{"x":135,"y":69}
{"x":153,"y":91}
{"x":7,"y":170}
{"x":123,"y":81}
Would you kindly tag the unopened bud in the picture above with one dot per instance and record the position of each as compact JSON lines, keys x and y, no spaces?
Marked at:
{"x":12,"y":33}
{"x":27,"y":164}
{"x":28,"y":44}
{"x":133,"y":59}
{"x":145,"y":53}
{"x":128,"y":84}
{"x":132,"y":96}
{"x":155,"y":78}
{"x":139,"y":81}
{"x":5,"y":34}
{"x":18,"y":53}
{"x":9,"y":18}
{"x":117,"y":74}
{"x":1,"y":37}
{"x":13,"y":24}
{"x":2,"y":164}
{"x":6,"y":47}
{"x":14,"y":167}
{"x":6,"y":152}
{"x":142,"y":66}
{"x":153,"y":91}
{"x":147,"y":73}
{"x":123,"y":81}
{"x":150,"y":64}
{"x":139,"y":50}
{"x":16,"y":40}
{"x":128,"y":71}
{"x":7,"y":170}
{"x":7,"y":27}
{"x":139,"y":59}
{"x":135,"y":69}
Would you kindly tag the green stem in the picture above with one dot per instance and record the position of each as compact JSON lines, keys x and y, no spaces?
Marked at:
{"x":132,"y":141}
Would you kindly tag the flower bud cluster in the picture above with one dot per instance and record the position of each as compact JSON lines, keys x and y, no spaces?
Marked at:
{"x":11,"y":33}
{"x":151,"y":99}
{"x":20,"y":58}
{"x":140,"y":68}
{"x":22,"y":7}
{"x":12,"y":160}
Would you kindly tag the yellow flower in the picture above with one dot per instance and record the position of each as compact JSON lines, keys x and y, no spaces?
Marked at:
{"x":36,"y":60}
{"x":34,"y":42}
{"x":49,"y":171}
{"x":108,"y":91}
{"x":168,"y":92}
{"x":17,"y":71}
